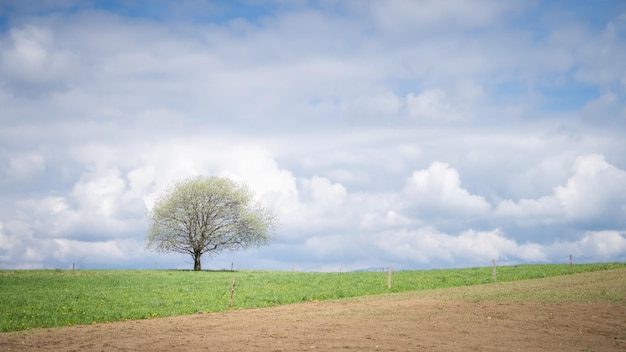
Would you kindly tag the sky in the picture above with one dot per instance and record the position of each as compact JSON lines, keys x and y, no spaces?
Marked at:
{"x":414,"y":134}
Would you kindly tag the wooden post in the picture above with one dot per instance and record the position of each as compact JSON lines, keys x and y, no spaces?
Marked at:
{"x":571,"y":266}
{"x":232,"y":292}
{"x":389,"y":277}
{"x":494,"y":271}
{"x":231,"y":266}
{"x":75,"y":263}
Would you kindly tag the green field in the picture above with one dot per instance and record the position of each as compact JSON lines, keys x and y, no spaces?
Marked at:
{"x":54,"y":298}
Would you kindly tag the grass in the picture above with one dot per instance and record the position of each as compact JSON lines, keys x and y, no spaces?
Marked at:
{"x":53,"y":298}
{"x":607,"y":286}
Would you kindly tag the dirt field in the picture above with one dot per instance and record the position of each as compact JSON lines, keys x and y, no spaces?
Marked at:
{"x":583,"y":312}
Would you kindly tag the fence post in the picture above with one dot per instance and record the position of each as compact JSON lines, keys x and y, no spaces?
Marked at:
{"x":494,"y":271}
{"x":571,"y":266}
{"x":232,"y":293}
{"x":389,"y":277}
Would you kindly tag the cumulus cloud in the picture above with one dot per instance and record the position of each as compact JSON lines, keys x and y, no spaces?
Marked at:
{"x":592,"y":246}
{"x":472,"y":247}
{"x":438,"y":189}
{"x":596,"y":190}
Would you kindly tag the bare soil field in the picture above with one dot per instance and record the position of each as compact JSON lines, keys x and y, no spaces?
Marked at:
{"x":582,"y":312}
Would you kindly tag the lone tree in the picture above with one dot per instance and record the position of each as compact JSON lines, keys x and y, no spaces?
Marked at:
{"x":203,"y":215}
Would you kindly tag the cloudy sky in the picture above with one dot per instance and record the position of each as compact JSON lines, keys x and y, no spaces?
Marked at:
{"x":417,"y":134}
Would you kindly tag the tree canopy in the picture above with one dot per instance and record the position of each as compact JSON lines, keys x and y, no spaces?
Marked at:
{"x":208,"y":215}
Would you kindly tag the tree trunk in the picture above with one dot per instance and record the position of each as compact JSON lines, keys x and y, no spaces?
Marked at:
{"x":197,"y":266}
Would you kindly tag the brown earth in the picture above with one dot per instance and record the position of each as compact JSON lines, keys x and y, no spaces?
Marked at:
{"x":582,"y":312}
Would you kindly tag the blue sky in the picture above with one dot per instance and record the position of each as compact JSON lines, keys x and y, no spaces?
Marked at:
{"x":416,"y":134}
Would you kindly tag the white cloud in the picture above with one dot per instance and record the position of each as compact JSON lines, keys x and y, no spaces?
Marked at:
{"x":457,"y":103}
{"x":140,"y":185}
{"x":100,"y":204}
{"x":546,"y":209}
{"x":16,"y":251}
{"x":427,"y":245}
{"x":431,"y":104}
{"x":595,"y":246}
{"x":100,"y":194}
{"x":101,"y":251}
{"x":596,"y":190}
{"x":438,"y":188}
{"x":324,"y":194}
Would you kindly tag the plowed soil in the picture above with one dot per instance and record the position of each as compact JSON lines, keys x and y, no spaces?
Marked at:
{"x":582,"y":312}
